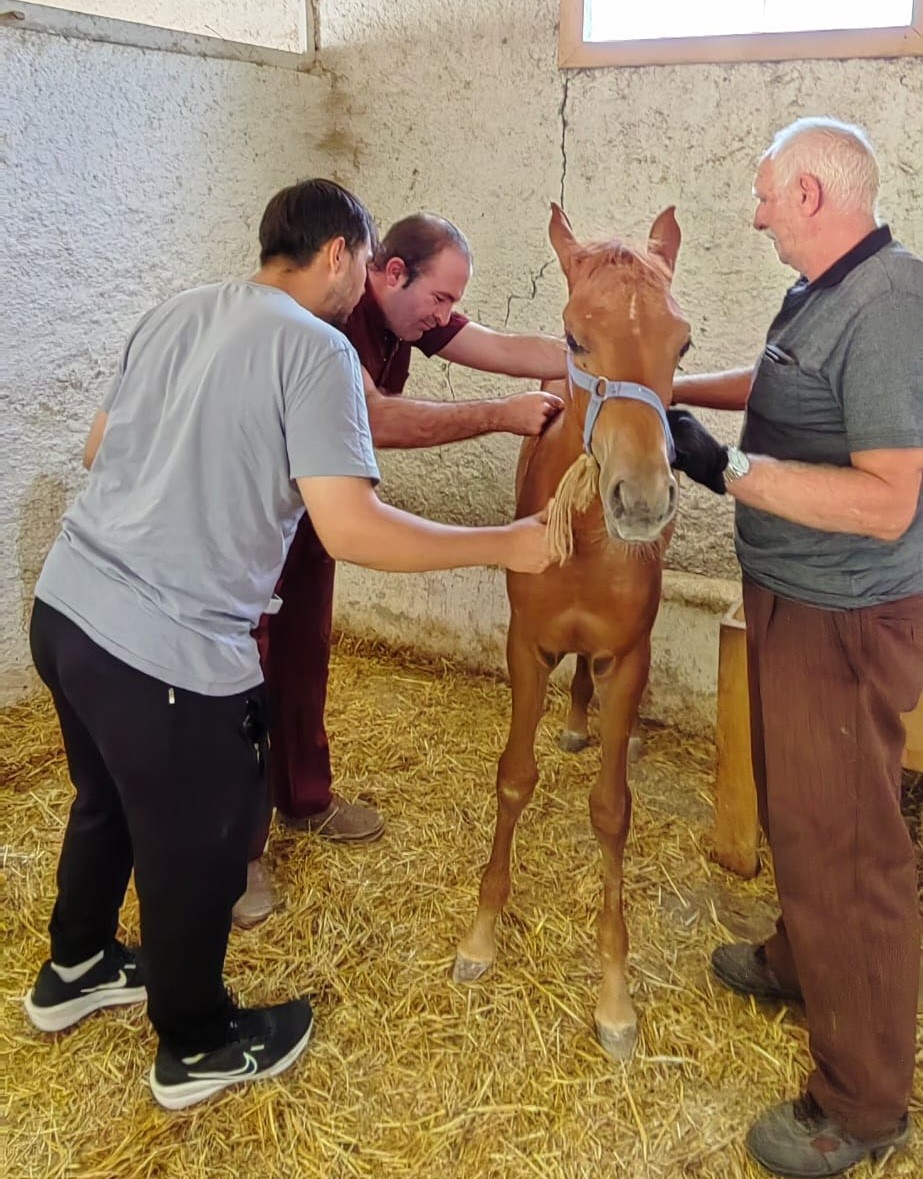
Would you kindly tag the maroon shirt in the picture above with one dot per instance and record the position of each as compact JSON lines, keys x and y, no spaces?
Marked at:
{"x":384,"y":355}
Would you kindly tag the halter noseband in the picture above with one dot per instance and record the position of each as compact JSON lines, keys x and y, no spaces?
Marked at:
{"x":601,"y":391}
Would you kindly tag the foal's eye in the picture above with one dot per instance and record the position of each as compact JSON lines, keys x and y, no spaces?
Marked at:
{"x":685,"y":348}
{"x":572,"y":343}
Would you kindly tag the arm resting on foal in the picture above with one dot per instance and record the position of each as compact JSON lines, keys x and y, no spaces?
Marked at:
{"x":354,"y":525}
{"x":537,"y":357}
{"x":408,"y":422}
{"x":727,"y":390}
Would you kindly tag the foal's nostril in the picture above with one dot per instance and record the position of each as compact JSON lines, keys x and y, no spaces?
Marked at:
{"x":672,"y":497}
{"x":618,"y":503}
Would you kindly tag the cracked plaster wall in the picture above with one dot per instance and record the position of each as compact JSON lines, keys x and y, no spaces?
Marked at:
{"x":460,"y":107}
{"x":131,"y":174}
{"x":127,"y":175}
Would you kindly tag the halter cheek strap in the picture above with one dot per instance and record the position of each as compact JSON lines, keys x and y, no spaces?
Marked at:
{"x":601,"y":391}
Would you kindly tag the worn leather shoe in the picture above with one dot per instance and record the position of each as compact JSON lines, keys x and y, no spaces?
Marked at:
{"x":342,"y":822}
{"x":744,"y":969}
{"x":797,"y":1138}
{"x":258,"y":901}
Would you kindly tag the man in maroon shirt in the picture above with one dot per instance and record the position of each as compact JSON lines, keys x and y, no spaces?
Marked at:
{"x":418,"y":274}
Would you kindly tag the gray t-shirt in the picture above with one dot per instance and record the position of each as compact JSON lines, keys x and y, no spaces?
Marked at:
{"x":843,"y":374}
{"x":225,"y":395}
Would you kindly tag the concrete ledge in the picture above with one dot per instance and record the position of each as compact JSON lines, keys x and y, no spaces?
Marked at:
{"x":16,"y":683}
{"x":462,"y":615}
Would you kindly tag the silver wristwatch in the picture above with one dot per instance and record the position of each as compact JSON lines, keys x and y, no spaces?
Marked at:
{"x":738,"y":465}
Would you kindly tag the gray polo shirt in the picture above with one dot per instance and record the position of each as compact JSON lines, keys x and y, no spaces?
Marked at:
{"x":168,"y":557}
{"x":842,"y":372}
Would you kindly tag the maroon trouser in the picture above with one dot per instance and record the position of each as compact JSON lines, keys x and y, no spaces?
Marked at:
{"x":826,"y":691}
{"x":295,"y":655}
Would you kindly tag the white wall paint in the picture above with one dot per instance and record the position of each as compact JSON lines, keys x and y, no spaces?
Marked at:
{"x":279,"y":24}
{"x":128,"y":175}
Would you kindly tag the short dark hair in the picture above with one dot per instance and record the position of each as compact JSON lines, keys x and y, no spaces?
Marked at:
{"x":302,"y":218}
{"x":416,"y":240}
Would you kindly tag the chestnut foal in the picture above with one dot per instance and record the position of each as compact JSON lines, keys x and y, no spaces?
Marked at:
{"x":625,"y":334}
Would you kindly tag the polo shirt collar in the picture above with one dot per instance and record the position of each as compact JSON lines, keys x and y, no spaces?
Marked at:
{"x":798,"y":294}
{"x":870,"y":244}
{"x":375,"y":316}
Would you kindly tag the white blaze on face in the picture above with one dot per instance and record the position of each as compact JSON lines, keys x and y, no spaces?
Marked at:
{"x":633,"y":310}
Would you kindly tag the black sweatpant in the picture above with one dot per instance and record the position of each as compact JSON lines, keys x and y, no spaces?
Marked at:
{"x":167,"y":782}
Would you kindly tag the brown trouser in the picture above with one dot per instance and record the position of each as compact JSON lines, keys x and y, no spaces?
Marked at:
{"x":826,"y":691}
{"x":295,"y":656}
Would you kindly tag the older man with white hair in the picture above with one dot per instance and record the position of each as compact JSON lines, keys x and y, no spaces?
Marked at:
{"x":829,"y":533}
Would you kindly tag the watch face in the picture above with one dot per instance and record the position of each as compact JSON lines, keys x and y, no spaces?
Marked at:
{"x":738,"y":463}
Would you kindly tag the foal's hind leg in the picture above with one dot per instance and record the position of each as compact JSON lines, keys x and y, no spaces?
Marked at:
{"x":517,"y":774}
{"x":574,"y":736}
{"x":620,"y":688}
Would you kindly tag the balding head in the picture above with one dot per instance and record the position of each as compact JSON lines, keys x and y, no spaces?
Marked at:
{"x":839,"y":155}
{"x":417,"y":240}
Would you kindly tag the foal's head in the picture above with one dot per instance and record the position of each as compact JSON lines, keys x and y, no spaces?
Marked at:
{"x":625,"y":334}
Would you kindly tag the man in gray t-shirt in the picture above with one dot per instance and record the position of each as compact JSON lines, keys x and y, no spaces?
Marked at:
{"x":829,"y":531}
{"x":236,"y":406}
{"x":183,"y":610}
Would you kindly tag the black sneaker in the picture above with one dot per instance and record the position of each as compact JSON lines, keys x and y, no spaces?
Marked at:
{"x":116,"y":979}
{"x":261,"y":1043}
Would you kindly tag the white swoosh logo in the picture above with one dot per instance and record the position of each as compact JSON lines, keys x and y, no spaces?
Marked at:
{"x":247,"y":1069}
{"x":116,"y":985}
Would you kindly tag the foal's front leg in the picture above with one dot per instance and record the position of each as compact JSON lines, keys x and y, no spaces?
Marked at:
{"x":620,"y":687}
{"x":517,"y":775}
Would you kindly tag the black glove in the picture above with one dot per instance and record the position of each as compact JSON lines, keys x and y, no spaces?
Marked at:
{"x":702,"y":457}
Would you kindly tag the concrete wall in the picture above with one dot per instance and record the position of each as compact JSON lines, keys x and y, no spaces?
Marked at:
{"x":128,"y":175}
{"x":462,"y":109}
{"x":132,"y":174}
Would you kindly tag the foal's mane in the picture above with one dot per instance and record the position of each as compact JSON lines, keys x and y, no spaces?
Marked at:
{"x":638,"y":266}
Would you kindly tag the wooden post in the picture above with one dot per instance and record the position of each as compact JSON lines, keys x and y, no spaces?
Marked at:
{"x":913,"y":749}
{"x":736,"y":831}
{"x":736,"y":824}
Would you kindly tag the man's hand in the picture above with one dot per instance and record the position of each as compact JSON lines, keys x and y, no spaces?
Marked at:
{"x":528,"y":544}
{"x":528,"y":413}
{"x":702,"y":457}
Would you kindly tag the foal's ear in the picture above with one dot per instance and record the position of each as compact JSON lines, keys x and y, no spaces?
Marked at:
{"x":562,"y":236}
{"x":665,"y":238}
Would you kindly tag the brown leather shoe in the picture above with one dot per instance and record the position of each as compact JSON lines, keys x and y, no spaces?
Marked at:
{"x":797,"y":1138}
{"x":744,"y":969}
{"x":258,"y":901}
{"x":342,"y":822}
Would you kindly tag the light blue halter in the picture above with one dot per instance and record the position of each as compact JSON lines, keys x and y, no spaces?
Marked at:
{"x":601,"y":391}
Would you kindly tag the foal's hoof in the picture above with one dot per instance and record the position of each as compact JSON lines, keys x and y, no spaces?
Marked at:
{"x":619,"y":1043}
{"x":571,"y":741}
{"x":468,"y":970}
{"x":635,"y":748}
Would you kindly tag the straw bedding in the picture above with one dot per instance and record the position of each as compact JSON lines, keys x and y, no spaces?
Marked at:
{"x":410,"y":1074}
